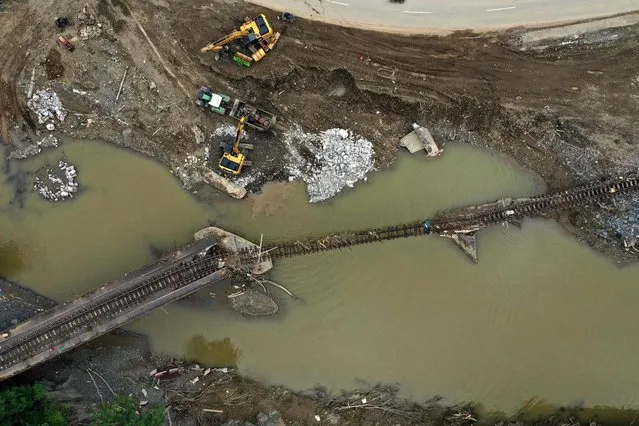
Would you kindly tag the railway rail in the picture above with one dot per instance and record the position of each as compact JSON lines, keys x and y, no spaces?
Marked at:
{"x":448,"y":224}
{"x":537,"y":206}
{"x":40,"y":339}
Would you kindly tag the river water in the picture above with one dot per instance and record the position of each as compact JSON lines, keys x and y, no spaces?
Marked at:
{"x":540,"y":317}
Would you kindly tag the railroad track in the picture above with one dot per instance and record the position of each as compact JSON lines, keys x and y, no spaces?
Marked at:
{"x":534,"y":206}
{"x":110,"y":305}
{"x":537,"y":206}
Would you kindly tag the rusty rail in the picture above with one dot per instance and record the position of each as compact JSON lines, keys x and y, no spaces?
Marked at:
{"x":518,"y":209}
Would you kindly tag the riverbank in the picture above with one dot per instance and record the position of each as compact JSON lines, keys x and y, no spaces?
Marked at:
{"x":121,"y":363}
{"x":536,"y":97}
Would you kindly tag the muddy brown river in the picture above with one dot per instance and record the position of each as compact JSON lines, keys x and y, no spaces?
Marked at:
{"x":540,"y":318}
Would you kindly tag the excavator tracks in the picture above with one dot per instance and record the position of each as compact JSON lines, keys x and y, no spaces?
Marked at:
{"x":110,"y":305}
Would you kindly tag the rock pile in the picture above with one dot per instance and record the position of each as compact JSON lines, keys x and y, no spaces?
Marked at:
{"x":34,"y":149}
{"x":62,"y":182}
{"x":622,"y":223}
{"x":89,"y":25}
{"x":46,"y":104}
{"x":340,"y":160}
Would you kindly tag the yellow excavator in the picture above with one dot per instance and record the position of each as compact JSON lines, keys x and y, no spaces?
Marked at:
{"x":233,"y":158}
{"x":256,"y":37}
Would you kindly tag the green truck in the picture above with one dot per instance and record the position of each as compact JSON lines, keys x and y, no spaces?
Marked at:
{"x":217,"y":103}
{"x":222,"y":104}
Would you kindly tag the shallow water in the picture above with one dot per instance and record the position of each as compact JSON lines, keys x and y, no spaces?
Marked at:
{"x":540,"y":316}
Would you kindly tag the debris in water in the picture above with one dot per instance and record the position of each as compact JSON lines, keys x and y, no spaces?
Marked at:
{"x":34,"y":149}
{"x":62,"y":182}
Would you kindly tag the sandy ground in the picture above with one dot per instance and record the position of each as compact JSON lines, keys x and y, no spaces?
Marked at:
{"x":566,"y":110}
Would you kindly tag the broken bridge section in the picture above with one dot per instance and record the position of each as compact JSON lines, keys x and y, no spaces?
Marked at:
{"x":137,"y":293}
{"x":459,"y":225}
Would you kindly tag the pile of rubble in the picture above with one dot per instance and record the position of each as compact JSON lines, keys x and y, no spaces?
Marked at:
{"x":89,"y":25}
{"x":621,"y":222}
{"x":61,"y":183}
{"x":46,"y":104}
{"x":49,"y":141}
{"x":340,"y":160}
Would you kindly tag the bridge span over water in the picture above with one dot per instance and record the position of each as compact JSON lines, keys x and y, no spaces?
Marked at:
{"x":215,"y":253}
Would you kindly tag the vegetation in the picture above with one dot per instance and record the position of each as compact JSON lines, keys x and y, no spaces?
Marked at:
{"x":123,"y":411}
{"x":29,"y":406}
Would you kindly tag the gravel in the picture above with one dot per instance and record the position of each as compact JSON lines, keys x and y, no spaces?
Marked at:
{"x":339,"y":159}
{"x":57,"y":185}
{"x":18,"y":304}
{"x":621,"y":222}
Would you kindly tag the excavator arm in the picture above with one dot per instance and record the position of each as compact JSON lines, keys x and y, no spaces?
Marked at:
{"x":238,"y":135}
{"x":219,"y":44}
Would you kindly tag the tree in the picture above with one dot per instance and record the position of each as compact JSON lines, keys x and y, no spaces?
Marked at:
{"x":29,"y":406}
{"x":122,"y":411}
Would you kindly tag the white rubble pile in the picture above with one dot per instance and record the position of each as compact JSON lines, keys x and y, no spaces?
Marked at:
{"x":34,"y":149}
{"x":341,"y":159}
{"x":46,"y":104}
{"x":227,"y":133}
{"x":62,"y":183}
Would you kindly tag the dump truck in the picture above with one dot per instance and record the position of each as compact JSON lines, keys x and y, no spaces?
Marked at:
{"x":223,"y":104}
{"x":255,"y":117}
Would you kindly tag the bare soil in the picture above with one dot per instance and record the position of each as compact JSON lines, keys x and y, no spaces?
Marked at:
{"x":567,"y":113}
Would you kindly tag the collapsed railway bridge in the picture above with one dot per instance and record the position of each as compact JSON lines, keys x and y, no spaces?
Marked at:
{"x":460,"y":225}
{"x":209,"y":259}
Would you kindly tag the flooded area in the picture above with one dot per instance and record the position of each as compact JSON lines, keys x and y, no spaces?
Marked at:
{"x":540,"y":318}
{"x":127,"y":209}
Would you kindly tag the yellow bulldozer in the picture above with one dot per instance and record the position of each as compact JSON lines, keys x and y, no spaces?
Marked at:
{"x":250,"y":43}
{"x":233,"y":158}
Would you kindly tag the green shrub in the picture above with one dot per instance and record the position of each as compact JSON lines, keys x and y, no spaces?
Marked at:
{"x":29,"y":406}
{"x":122,"y":412}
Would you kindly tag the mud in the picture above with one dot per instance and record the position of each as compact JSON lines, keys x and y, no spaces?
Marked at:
{"x":567,"y":111}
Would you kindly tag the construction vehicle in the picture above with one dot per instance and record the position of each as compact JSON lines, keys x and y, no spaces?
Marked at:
{"x":233,"y":158}
{"x":250,"y":43}
{"x":217,"y":103}
{"x":287,"y":17}
{"x":255,"y":117}
{"x":221,"y":104}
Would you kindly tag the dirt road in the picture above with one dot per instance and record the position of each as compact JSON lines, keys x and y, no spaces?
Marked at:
{"x":567,"y":112}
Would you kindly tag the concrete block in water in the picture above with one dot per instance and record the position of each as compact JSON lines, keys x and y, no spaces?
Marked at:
{"x":420,"y":138}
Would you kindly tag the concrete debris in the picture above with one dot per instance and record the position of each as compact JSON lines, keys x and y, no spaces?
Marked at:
{"x":199,"y":135}
{"x":28,"y":151}
{"x":340,"y":160}
{"x":89,"y":25}
{"x":273,"y":418}
{"x":62,"y":182}
{"x":221,"y":134}
{"x":34,"y":149}
{"x":50,"y":127}
{"x":46,"y":104}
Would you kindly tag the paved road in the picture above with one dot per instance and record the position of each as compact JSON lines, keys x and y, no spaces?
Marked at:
{"x":429,"y":15}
